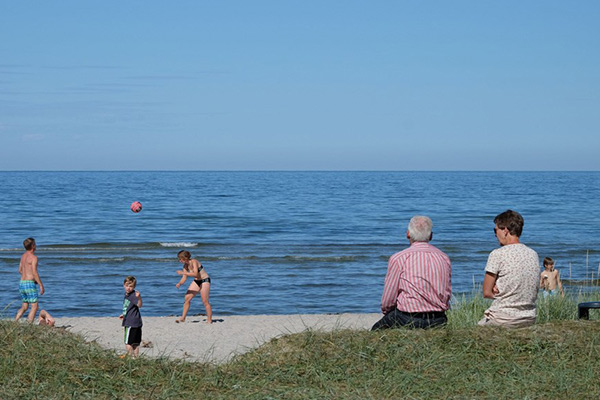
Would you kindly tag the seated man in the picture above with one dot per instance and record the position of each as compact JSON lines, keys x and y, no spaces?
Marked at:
{"x":417,"y":286}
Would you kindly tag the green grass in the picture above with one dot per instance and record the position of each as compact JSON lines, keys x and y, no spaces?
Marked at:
{"x":557,"y":358}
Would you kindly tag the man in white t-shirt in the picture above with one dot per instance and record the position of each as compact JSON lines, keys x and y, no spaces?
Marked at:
{"x":511,"y":276}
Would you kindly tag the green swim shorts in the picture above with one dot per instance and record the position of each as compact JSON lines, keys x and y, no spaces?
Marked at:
{"x":29,"y":291}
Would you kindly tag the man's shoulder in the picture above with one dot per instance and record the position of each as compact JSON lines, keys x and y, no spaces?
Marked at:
{"x":401,"y":253}
{"x":29,"y":257}
{"x":419,"y":247}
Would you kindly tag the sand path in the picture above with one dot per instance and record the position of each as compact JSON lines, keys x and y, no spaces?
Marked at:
{"x":195,"y":340}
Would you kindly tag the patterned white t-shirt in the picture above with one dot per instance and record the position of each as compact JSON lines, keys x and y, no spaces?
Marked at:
{"x":518,"y":268}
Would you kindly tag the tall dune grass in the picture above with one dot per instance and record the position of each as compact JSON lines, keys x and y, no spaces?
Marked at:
{"x":557,"y":358}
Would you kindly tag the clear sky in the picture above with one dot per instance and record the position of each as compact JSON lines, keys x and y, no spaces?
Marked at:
{"x":300,"y":85}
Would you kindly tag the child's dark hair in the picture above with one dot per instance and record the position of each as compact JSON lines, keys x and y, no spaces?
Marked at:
{"x":130,"y":279}
{"x":548,"y":261}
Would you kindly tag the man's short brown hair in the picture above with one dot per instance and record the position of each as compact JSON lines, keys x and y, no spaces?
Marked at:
{"x":28,"y":243}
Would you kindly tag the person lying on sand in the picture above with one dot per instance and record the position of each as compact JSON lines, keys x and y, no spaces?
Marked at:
{"x":45,"y":318}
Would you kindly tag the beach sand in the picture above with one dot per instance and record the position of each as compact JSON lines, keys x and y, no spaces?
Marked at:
{"x":195,"y":340}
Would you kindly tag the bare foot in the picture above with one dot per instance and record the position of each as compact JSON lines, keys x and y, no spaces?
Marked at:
{"x":209,"y":322}
{"x":178,"y":320}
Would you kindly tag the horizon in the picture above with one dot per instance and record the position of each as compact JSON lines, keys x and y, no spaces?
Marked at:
{"x":294,"y":170}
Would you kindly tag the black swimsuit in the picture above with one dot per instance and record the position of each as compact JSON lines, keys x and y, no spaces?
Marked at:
{"x":199,"y":282}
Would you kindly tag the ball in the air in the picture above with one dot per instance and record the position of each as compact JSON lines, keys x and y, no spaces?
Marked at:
{"x":136,"y":206}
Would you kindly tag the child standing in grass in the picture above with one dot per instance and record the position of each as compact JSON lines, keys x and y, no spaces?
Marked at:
{"x":200,"y":284}
{"x":550,"y":279}
{"x":132,"y":319}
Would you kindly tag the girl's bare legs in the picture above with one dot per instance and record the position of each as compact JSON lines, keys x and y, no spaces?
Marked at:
{"x":189,"y":295}
{"x":204,"y":292}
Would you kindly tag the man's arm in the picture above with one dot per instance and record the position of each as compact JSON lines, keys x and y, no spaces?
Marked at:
{"x":390,"y":287}
{"x":36,"y":276}
{"x":489,"y":285}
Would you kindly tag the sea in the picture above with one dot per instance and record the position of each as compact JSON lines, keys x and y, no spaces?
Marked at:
{"x":279,"y":242}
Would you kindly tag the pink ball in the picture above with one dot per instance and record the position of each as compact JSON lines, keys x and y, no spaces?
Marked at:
{"x":136,"y":206}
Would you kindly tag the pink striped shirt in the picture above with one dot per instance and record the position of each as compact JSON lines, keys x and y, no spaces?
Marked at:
{"x":417,"y":280}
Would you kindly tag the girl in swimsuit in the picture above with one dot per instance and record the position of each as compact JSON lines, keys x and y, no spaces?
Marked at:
{"x":200,"y":284}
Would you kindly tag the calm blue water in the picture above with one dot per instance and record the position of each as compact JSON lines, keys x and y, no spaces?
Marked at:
{"x":274,"y":242}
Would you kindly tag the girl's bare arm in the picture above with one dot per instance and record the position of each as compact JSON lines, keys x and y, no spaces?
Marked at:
{"x":182,"y":280}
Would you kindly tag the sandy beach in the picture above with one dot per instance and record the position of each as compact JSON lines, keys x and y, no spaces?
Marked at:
{"x":195,"y":340}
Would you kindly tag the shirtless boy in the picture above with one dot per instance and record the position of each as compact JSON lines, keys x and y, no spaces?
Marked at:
{"x":550,"y":279}
{"x":29,"y":279}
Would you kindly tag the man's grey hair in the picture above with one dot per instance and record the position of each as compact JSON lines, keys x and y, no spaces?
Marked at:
{"x":420,"y":228}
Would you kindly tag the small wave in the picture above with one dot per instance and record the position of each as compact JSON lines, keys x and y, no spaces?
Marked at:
{"x":323,"y":258}
{"x":286,"y":259}
{"x":11,"y":250}
{"x":178,"y":244}
{"x":56,"y":261}
{"x":94,"y":246}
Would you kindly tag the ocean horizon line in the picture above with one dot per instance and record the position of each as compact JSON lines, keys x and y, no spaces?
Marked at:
{"x":308,"y":170}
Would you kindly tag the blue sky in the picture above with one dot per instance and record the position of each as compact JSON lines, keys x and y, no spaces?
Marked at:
{"x":299,"y":85}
